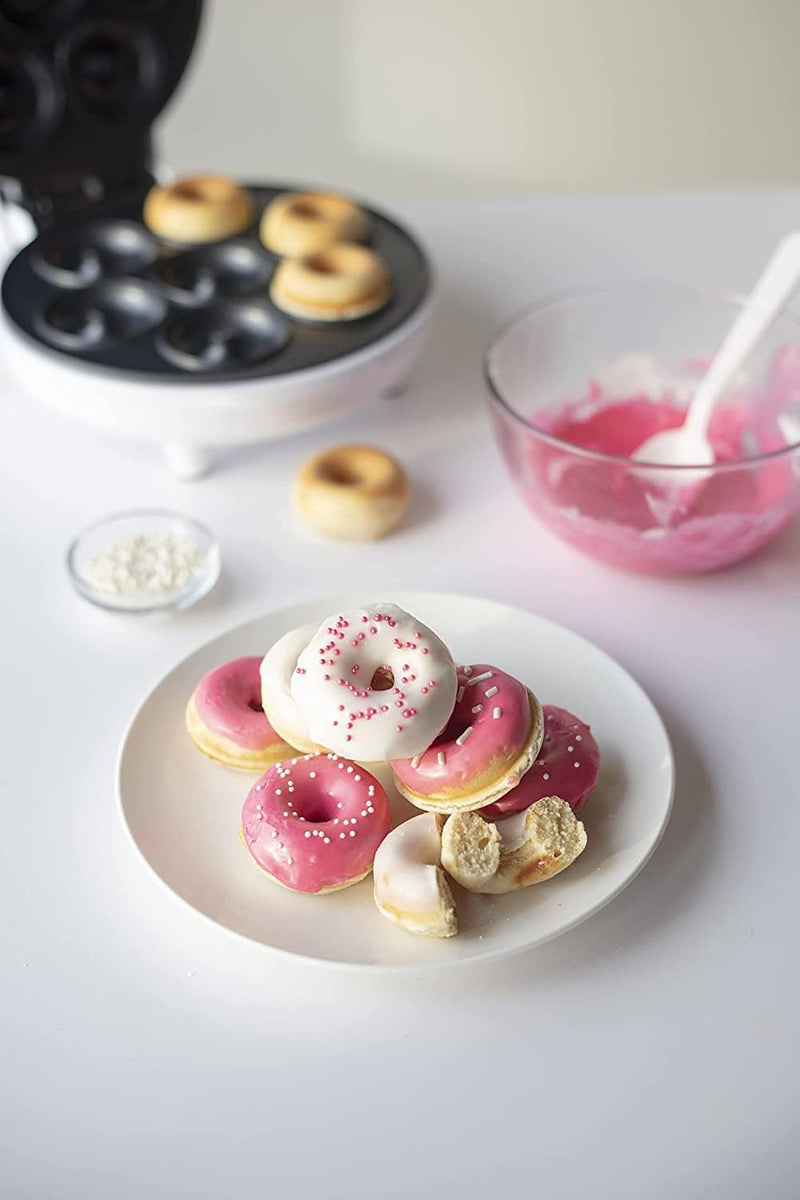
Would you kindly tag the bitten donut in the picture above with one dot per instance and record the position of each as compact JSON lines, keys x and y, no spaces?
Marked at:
{"x":375,"y":684}
{"x":198,"y":208}
{"x":313,"y":824}
{"x":491,"y":740}
{"x":567,"y":766}
{"x":409,"y":884}
{"x":298,"y":223}
{"x":522,"y":849}
{"x":356,"y":492}
{"x":226,"y":721}
{"x":342,"y":282}
{"x":281,"y":709}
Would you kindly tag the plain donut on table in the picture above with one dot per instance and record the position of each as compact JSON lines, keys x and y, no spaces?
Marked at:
{"x":357,"y":492}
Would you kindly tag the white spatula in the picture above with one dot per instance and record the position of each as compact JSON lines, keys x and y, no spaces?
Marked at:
{"x":688,"y":445}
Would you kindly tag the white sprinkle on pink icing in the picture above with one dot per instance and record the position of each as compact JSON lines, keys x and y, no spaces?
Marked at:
{"x":480,"y":678}
{"x":440,"y":758}
{"x":464,"y":736}
{"x":476,"y":708}
{"x":492,"y":691}
{"x":497,"y":713}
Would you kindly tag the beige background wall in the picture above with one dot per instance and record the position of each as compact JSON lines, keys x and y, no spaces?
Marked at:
{"x":400,"y":97}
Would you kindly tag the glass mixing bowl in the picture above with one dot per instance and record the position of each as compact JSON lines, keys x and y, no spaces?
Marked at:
{"x":559,"y":364}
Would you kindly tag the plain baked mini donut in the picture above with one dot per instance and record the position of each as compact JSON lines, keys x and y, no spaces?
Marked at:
{"x":313,"y":824}
{"x":356,"y":492}
{"x":198,"y":208}
{"x":298,"y":223}
{"x":341,"y":282}
{"x":225,"y":719}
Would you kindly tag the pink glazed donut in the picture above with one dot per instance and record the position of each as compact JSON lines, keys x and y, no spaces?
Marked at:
{"x":314,"y":823}
{"x":226,"y":721}
{"x":489,"y":743}
{"x":567,"y":766}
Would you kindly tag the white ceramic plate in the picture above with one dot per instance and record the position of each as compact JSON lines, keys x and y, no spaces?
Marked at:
{"x":183,"y":811}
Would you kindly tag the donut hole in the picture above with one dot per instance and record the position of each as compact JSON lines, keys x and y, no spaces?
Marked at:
{"x":255,"y":706}
{"x":483,"y":843}
{"x":316,"y":812}
{"x":321,"y":264}
{"x":305,"y":209}
{"x":382,"y":679}
{"x":191,"y":191}
{"x":337,"y":473}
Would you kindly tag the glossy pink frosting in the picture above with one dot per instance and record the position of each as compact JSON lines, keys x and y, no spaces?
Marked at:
{"x":496,"y":710}
{"x":228,"y":701}
{"x":567,"y":766}
{"x":315,"y":822}
{"x":611,"y":510}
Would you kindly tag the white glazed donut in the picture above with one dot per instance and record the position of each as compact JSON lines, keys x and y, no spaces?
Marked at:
{"x":528,"y":847}
{"x":409,"y":884}
{"x":280,"y":707}
{"x":375,"y":684}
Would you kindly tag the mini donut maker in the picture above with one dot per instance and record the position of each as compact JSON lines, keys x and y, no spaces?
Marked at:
{"x":140,"y":338}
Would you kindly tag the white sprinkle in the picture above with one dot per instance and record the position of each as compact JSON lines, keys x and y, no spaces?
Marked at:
{"x":326,"y":840}
{"x":336,"y":820}
{"x":286,"y":814}
{"x":497,"y":713}
{"x":480,"y":678}
{"x":467,"y":671}
{"x":363,"y":812}
{"x":415,"y":761}
{"x":352,"y":833}
{"x":278,"y":792}
{"x":349,"y":770}
{"x":357,"y":779}
{"x":545,"y":776}
{"x":338,"y":804}
{"x":492,"y":691}
{"x":342,"y":835}
{"x":312,"y":774}
{"x":259,"y":807}
{"x":576,"y":764}
{"x":460,"y":740}
{"x":371,"y":790}
{"x":260,"y":816}
{"x":577,"y":737}
{"x":289,"y":862}
{"x":476,"y":708}
{"x":274,"y":834}
{"x":307,"y":833}
{"x":341,"y":766}
{"x":460,"y":695}
{"x":440,"y":758}
{"x":294,"y":762}
{"x":279,"y":845}
{"x":570,"y":749}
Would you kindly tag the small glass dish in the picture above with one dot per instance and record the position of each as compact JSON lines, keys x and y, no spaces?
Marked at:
{"x":584,"y":351}
{"x":144,"y":561}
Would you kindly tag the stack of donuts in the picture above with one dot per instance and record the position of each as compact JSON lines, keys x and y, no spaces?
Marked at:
{"x":325,"y":273}
{"x":498,"y":776}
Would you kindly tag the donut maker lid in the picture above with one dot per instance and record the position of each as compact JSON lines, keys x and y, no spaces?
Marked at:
{"x":81,"y":82}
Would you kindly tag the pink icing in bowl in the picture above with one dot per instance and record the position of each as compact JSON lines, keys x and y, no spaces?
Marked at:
{"x":578,"y":382}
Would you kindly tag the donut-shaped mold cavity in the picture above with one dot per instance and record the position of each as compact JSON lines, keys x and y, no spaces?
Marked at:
{"x":230,"y":270}
{"x":224,"y":336}
{"x":124,"y":246}
{"x":67,"y":262}
{"x":114,"y":310}
{"x":29,"y":101}
{"x":114,"y":71}
{"x":73,"y":323}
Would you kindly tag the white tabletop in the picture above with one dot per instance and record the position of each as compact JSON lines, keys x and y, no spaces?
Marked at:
{"x":651,"y":1053}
